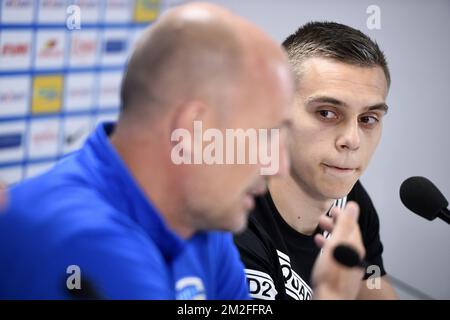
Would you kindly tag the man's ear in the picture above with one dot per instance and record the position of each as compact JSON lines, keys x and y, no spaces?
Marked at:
{"x":186,"y":114}
{"x":182,"y":126}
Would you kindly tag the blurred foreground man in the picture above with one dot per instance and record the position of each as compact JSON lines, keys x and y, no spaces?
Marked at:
{"x":120,"y":219}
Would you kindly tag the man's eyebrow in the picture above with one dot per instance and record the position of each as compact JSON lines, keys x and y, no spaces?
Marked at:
{"x":379,"y":106}
{"x":324,"y":99}
{"x":336,"y":102}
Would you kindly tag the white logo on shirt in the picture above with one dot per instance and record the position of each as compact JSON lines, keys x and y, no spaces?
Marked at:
{"x":190,"y":288}
{"x":295,"y":286}
{"x":260,"y":285}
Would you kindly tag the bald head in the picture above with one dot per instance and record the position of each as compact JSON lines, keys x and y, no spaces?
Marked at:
{"x":194,"y":51}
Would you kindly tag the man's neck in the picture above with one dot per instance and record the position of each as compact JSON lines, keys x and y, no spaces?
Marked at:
{"x":300,"y":210}
{"x":152,"y":174}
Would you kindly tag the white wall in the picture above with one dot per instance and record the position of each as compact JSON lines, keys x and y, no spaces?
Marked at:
{"x":415,"y":36}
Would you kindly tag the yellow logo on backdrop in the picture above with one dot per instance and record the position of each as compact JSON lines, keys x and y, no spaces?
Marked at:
{"x":47,"y":93}
{"x":146,"y":10}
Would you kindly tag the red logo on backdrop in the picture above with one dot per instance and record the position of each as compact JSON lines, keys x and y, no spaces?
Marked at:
{"x":15,"y":49}
{"x":44,"y":137}
{"x":82,"y":47}
{"x":50,"y":49}
{"x":17,"y":3}
{"x":11,"y":96}
{"x":52,"y":4}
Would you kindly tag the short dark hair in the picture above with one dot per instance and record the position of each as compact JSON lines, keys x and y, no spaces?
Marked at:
{"x":335,"y":41}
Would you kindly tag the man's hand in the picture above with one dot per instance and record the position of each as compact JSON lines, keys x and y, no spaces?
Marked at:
{"x":330,"y":279}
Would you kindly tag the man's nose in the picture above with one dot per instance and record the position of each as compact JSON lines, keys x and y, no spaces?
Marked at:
{"x":349,"y":136}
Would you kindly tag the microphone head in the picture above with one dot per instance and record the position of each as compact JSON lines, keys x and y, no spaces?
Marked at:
{"x":422,"y":197}
{"x":346,"y":256}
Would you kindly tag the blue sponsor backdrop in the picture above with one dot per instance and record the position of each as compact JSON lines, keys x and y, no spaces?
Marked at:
{"x":61,"y":64}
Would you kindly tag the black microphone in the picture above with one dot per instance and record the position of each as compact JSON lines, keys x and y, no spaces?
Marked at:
{"x":422,"y":197}
{"x":347,"y":256}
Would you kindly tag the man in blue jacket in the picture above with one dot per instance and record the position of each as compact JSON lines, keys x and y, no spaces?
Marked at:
{"x":120,"y":219}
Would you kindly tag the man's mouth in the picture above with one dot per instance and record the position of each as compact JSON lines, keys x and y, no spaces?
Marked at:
{"x":339,"y":169}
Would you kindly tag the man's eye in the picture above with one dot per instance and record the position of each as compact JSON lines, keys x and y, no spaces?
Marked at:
{"x":327,"y":114}
{"x":369,"y":120}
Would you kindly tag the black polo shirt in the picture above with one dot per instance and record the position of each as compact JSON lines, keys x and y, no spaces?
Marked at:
{"x":279,"y":259}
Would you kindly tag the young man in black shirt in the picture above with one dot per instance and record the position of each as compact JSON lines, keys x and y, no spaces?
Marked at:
{"x":342,"y":84}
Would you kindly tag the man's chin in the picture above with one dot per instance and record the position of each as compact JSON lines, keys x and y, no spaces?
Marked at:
{"x":239,"y":229}
{"x":240,"y":223}
{"x":233,"y":220}
{"x":337,"y":191}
